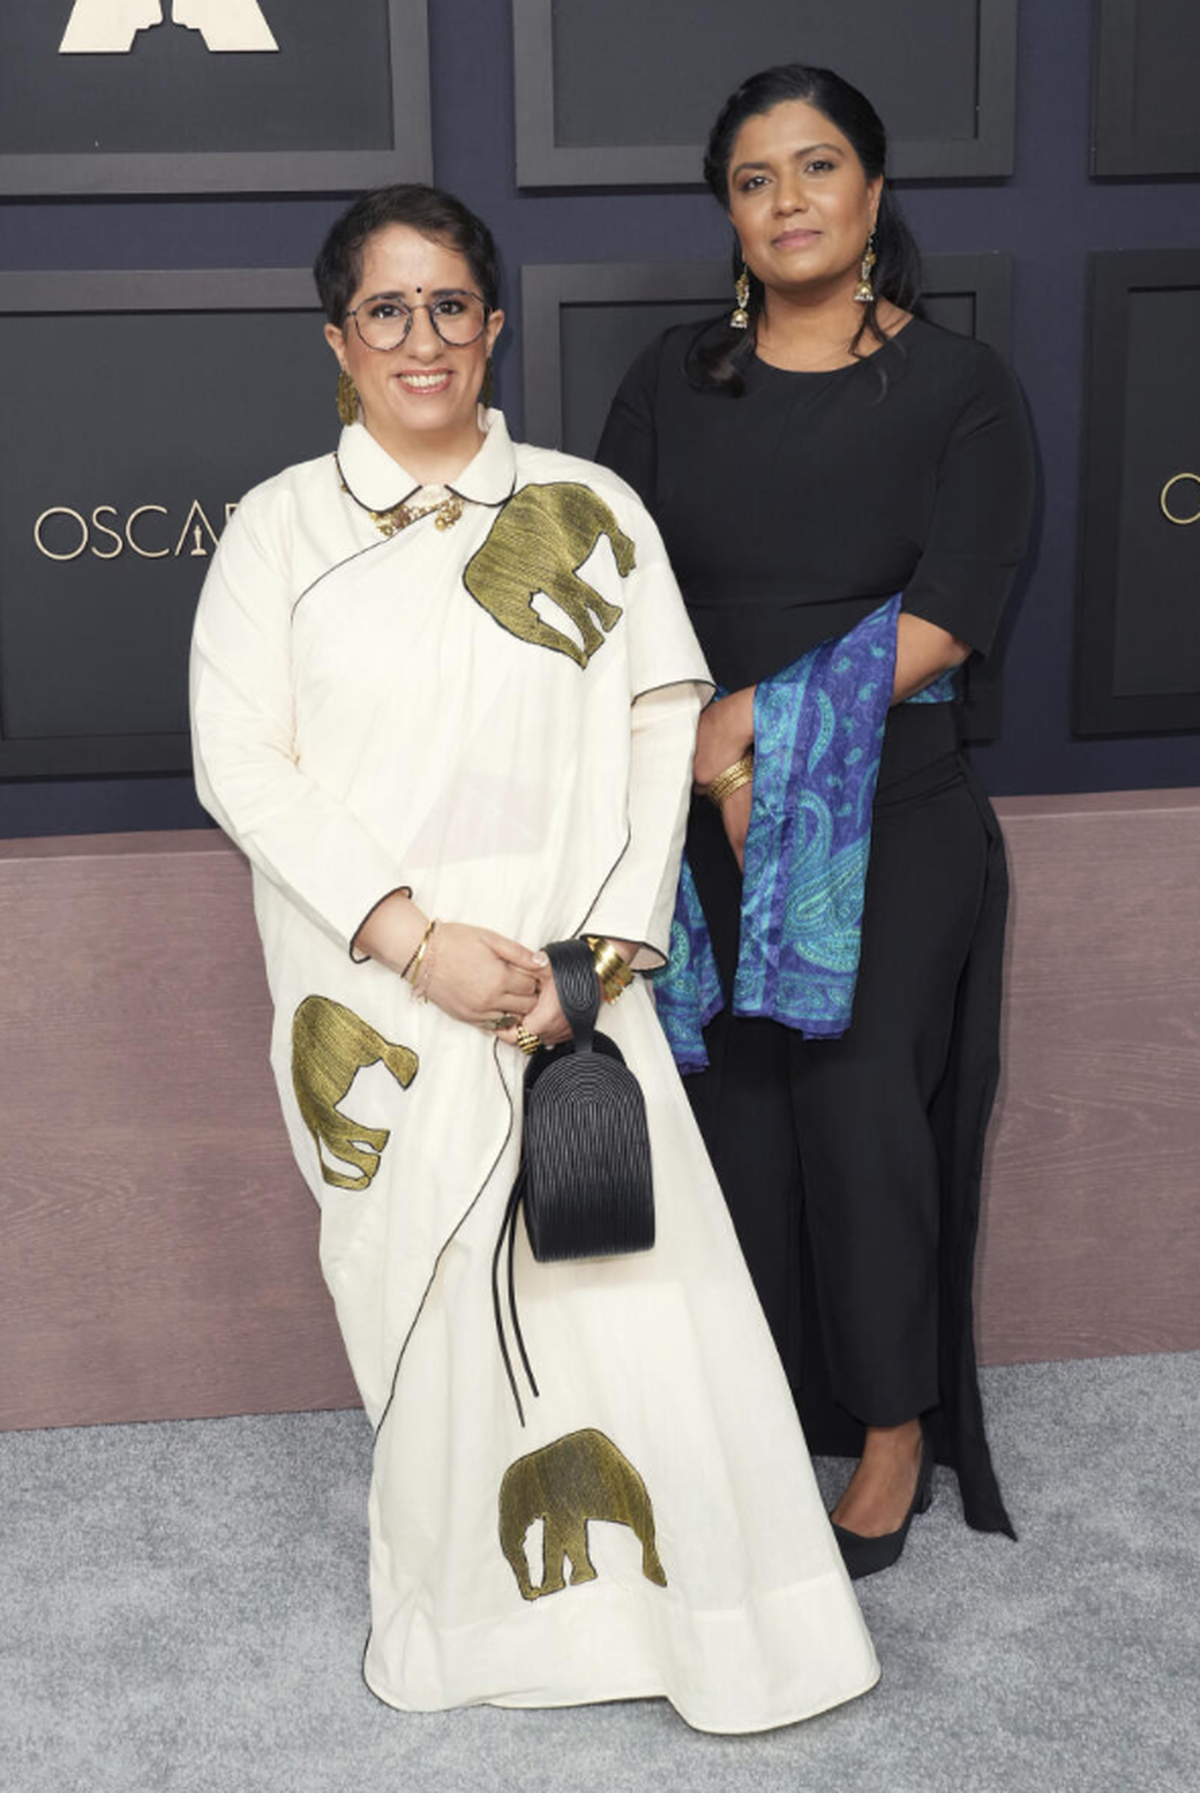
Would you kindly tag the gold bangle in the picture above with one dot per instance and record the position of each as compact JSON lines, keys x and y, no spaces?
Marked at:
{"x":423,"y":976}
{"x":412,"y":970}
{"x":730,"y":780}
{"x":614,"y":972}
{"x":412,"y":957}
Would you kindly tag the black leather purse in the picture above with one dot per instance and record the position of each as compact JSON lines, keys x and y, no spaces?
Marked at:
{"x":585,"y":1150}
{"x":585,"y":1180}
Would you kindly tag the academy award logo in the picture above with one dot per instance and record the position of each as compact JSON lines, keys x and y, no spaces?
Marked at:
{"x":109,"y":27}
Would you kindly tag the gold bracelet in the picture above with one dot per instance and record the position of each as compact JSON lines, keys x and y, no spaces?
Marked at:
{"x":412,"y":970}
{"x":614,"y":972}
{"x":412,"y":957}
{"x":730,"y":780}
{"x":423,"y":977}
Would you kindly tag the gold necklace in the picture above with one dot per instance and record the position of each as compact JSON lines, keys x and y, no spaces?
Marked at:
{"x":390,"y":522}
{"x":446,"y":511}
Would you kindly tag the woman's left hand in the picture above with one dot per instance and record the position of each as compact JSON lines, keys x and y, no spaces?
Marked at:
{"x":545,"y":1018}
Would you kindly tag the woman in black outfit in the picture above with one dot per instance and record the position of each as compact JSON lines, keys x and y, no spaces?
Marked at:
{"x":806,"y":458}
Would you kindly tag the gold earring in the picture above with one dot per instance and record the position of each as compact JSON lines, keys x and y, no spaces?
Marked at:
{"x":486,"y":390}
{"x":864,"y":292}
{"x":739,"y":317}
{"x":347,"y":399}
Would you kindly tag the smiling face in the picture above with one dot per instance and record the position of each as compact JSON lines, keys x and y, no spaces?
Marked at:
{"x":799,"y":201}
{"x":418,"y":400}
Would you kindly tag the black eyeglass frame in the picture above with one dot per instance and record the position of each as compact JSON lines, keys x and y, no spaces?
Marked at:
{"x":458,"y":292}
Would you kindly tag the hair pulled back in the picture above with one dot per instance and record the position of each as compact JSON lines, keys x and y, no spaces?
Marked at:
{"x":719,"y":358}
{"x":338,"y":267}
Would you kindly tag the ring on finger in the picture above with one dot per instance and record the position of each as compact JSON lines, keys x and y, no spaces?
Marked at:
{"x":528,"y":1042}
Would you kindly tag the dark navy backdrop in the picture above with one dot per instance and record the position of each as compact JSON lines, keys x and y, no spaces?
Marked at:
{"x":1049,"y":216}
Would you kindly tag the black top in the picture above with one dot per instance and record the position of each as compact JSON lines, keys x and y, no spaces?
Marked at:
{"x":793,"y":511}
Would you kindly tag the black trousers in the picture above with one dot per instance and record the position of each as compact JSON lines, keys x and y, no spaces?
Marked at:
{"x":825,"y":1149}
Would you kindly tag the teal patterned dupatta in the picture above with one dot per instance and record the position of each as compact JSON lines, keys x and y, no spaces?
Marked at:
{"x":818,"y":736}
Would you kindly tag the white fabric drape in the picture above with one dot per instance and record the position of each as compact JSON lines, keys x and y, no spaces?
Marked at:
{"x":372,"y":714}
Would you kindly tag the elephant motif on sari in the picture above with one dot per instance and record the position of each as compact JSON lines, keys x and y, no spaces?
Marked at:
{"x":330,"y":1046}
{"x":577,"y":1478}
{"x":539,"y":541}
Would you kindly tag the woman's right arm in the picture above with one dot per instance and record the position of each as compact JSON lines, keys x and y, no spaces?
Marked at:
{"x":297,"y":834}
{"x":243,"y":734}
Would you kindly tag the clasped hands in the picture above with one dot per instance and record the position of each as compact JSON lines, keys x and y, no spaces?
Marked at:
{"x":477,"y":975}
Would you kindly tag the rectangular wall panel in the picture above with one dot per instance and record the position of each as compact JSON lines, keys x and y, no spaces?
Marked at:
{"x":160,"y":1245}
{"x":1091,"y":1230}
{"x":624,"y":94}
{"x":1147,"y":58}
{"x":584,"y":322}
{"x":105,"y":96}
{"x":1137,"y":615}
{"x":181,"y":390}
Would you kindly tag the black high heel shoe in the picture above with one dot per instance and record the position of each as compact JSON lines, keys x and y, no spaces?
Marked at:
{"x":867,"y":1556}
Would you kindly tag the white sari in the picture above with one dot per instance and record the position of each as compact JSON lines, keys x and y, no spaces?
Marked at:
{"x":498,"y":715}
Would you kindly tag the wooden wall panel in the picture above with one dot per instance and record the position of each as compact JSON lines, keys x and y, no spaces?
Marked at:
{"x":160,"y":1247}
{"x":1092,"y":1224}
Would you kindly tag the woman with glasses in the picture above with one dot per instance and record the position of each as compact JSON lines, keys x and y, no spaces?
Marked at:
{"x":445,"y":699}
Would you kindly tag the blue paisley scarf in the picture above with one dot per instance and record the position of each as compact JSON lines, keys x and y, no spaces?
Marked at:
{"x":818,"y":736}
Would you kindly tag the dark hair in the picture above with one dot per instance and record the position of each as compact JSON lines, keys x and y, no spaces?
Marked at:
{"x":719,"y":356}
{"x":338,"y":268}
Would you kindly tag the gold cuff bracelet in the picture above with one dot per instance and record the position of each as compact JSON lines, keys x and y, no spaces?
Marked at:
{"x":730,"y":780}
{"x":614,"y":973}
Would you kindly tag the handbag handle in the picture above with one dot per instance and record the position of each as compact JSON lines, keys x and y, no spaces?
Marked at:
{"x":577,"y":986}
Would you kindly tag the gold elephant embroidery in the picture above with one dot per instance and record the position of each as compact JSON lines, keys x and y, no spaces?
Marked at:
{"x":330,"y":1045}
{"x":577,"y":1478}
{"x":540,"y":539}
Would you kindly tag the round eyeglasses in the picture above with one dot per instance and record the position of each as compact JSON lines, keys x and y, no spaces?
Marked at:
{"x":384,"y":321}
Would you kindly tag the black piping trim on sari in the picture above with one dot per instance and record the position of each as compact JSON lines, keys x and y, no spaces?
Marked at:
{"x":362,"y":504}
{"x":670,"y":684}
{"x":604,"y":882}
{"x":337,"y":566}
{"x":491,"y":504}
{"x":650,"y":691}
{"x":450,"y":1237}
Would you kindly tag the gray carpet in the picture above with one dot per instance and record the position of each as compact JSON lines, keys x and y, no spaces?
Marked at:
{"x":183,"y":1610}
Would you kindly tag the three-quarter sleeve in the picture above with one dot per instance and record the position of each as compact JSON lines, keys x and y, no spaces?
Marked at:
{"x":628,"y":441}
{"x":668,"y":684}
{"x":243,"y":734}
{"x":980,"y":524}
{"x":638,"y":900}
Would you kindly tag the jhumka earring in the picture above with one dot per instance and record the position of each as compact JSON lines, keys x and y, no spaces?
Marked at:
{"x":864,"y":292}
{"x":347,"y":399}
{"x":487,"y":389}
{"x":739,"y":317}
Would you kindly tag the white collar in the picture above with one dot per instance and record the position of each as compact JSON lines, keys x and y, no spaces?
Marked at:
{"x":379,"y":483}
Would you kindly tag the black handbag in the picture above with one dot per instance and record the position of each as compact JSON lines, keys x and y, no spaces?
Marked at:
{"x":585,"y":1179}
{"x":585,"y":1150}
